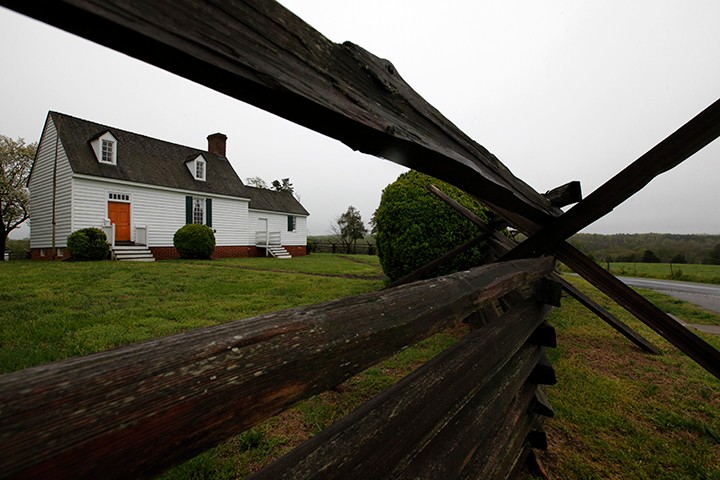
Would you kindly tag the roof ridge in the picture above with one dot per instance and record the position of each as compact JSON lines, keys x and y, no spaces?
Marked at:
{"x":118,"y":129}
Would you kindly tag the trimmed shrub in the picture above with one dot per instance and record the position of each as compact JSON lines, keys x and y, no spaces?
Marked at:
{"x":194,"y":241}
{"x":414,"y":227}
{"x":88,"y":244}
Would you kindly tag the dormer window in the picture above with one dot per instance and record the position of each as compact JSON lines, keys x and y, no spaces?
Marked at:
{"x":105,"y":147}
{"x":197,"y":167}
{"x":200,"y":169}
{"x":108,"y":149}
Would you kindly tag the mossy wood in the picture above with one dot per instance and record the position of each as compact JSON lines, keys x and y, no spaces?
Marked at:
{"x":433,"y":423}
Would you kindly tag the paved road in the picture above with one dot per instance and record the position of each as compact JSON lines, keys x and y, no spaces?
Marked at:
{"x":705,"y":295}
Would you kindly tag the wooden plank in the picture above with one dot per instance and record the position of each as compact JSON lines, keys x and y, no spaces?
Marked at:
{"x":673,"y":150}
{"x":620,"y":326}
{"x":693,"y":346}
{"x":259,"y":52}
{"x":686,"y":341}
{"x":472,"y":428}
{"x":408,"y":415}
{"x":133,"y":411}
{"x":503,"y":244}
{"x":509,"y":434}
{"x":565,"y":194}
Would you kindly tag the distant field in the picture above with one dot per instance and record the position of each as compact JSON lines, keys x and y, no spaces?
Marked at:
{"x":686,"y":272}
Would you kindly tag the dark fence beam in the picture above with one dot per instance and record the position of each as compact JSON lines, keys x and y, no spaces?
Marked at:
{"x":565,"y":194}
{"x":259,"y":52}
{"x":675,"y":149}
{"x":620,"y":326}
{"x":503,"y":244}
{"x":686,"y":341}
{"x":134,"y":411}
{"x":428,"y":424}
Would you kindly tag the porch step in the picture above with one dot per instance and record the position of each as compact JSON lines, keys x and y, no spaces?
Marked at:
{"x":133,"y":253}
{"x":278,"y":251}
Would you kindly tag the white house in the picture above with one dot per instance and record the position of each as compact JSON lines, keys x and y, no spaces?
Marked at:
{"x":141,"y":190}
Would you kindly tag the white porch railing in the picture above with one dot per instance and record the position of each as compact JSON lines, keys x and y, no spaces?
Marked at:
{"x":141,"y":235}
{"x":109,"y":230}
{"x":263,"y":238}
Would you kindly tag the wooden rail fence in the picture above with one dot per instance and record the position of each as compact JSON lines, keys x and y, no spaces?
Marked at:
{"x":135,"y":411}
{"x":471,"y":413}
{"x":364,"y":248}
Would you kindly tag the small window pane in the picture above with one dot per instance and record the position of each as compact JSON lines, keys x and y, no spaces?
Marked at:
{"x":107,"y":151}
{"x":200,"y":170}
{"x":198,"y":210}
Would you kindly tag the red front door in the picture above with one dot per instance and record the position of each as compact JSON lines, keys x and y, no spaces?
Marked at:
{"x":119,"y":214}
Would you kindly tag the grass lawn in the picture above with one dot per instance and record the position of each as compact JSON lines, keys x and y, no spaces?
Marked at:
{"x":620,"y":414}
{"x":623,"y":414}
{"x":63,"y":309}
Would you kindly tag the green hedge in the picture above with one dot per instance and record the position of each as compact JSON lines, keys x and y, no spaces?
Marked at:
{"x":414,"y":227}
{"x":88,"y":244}
{"x":194,"y":241}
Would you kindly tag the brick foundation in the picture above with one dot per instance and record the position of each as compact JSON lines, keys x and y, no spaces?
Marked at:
{"x":225,"y":251}
{"x":296,"y":250}
{"x":164,"y":253}
{"x":236,"y":251}
{"x":169,"y":253}
{"x":47,"y":254}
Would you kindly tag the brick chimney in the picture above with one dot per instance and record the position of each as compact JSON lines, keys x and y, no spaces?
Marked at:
{"x":217,"y":143}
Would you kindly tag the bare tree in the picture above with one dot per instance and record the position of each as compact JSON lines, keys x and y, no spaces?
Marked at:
{"x":16,"y":159}
{"x":256,"y":182}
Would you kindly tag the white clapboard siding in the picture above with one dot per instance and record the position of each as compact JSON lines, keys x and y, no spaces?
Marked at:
{"x":161,"y":210}
{"x":278,"y":222}
{"x":41,"y":192}
{"x":230,"y":222}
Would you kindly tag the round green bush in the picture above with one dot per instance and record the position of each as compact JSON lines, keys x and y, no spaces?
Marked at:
{"x":414,"y":227}
{"x":194,"y":241}
{"x":88,"y":244}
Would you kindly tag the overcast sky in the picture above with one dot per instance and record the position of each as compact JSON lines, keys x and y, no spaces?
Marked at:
{"x":557,"y":90}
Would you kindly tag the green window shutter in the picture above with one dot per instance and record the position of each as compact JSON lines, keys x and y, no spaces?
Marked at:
{"x":290,"y":223}
{"x":188,"y":209}
{"x":208,"y":212}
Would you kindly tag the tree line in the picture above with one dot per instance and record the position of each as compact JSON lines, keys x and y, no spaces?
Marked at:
{"x":650,"y":247}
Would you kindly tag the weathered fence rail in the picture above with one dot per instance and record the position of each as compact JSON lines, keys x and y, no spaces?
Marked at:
{"x":137,"y":410}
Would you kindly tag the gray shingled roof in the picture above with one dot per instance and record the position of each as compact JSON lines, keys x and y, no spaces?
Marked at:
{"x":147,"y":160}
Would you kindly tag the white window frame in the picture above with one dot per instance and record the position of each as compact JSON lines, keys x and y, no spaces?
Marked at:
{"x":198,"y":210}
{"x":107,"y":151}
{"x":200,"y":169}
{"x":119,"y":197}
{"x":106,"y":148}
